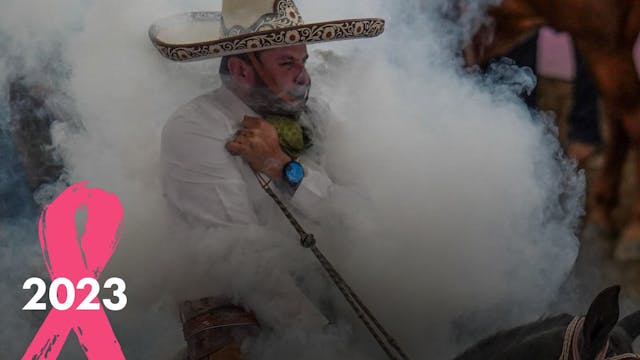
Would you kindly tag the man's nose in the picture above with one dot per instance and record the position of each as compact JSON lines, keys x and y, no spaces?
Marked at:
{"x":303,"y":77}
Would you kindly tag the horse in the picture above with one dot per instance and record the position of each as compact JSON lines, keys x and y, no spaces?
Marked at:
{"x":597,"y":336}
{"x":605,"y":33}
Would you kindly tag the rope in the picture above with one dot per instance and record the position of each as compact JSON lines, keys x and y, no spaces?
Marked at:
{"x":570,"y":343}
{"x":625,"y":356}
{"x":376,"y":329}
{"x":568,"y":339}
{"x":307,"y":240}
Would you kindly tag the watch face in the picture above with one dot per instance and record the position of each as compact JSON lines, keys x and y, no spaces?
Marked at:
{"x":294,"y":172}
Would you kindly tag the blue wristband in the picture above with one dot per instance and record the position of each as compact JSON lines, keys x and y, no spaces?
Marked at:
{"x":293,"y":173}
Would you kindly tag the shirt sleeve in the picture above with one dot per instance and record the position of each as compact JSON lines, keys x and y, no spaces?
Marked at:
{"x":315,"y":187}
{"x":200,"y":178}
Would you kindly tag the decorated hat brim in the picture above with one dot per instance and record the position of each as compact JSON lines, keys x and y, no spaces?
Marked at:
{"x":192,"y":44}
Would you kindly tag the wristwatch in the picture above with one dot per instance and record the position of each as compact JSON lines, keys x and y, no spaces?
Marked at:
{"x":293,"y":173}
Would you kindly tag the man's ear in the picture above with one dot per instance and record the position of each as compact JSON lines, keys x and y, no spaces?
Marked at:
{"x":240,"y":71}
{"x":599,"y":321}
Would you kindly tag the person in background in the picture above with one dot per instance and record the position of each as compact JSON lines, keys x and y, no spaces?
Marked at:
{"x":584,"y":117}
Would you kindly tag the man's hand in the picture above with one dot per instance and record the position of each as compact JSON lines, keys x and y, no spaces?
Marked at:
{"x":257,"y":143}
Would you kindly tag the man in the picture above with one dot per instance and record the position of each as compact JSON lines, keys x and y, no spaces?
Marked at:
{"x":194,"y":143}
{"x":259,"y":123}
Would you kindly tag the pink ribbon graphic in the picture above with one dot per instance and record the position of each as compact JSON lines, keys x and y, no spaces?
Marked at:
{"x":65,"y":257}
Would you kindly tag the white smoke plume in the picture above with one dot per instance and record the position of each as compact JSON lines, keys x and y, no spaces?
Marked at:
{"x":469,"y":211}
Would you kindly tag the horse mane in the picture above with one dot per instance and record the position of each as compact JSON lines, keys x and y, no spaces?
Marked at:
{"x":494,"y":343}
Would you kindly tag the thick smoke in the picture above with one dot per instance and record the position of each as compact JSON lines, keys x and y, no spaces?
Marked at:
{"x":458,"y":219}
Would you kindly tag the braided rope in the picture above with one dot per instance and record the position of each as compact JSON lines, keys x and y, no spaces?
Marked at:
{"x":569,"y":335}
{"x":625,"y":356}
{"x":307,"y":240}
{"x":570,"y":343}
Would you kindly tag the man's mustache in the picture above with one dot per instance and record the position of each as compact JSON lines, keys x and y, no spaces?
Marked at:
{"x":265,"y":96}
{"x":299,"y":93}
{"x":264,"y":101}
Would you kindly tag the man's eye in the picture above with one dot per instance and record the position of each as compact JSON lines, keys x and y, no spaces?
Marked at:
{"x":287,"y":64}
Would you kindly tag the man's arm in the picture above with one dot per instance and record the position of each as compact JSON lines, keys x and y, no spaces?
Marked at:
{"x":202,"y":182}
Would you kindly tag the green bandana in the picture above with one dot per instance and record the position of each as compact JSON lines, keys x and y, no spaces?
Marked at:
{"x":290,"y":134}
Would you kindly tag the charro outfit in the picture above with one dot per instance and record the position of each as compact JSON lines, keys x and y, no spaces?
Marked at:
{"x":206,"y":185}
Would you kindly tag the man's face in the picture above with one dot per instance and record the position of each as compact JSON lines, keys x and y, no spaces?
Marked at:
{"x":286,"y":66}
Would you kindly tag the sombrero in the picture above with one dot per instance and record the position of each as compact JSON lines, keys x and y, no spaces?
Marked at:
{"x":249,"y":25}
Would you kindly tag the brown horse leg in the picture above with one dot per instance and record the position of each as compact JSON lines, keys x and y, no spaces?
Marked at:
{"x":631,"y":120}
{"x":607,"y":184}
{"x":618,"y":82}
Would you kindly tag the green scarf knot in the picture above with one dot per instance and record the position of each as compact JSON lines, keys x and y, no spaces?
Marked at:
{"x":290,"y":135}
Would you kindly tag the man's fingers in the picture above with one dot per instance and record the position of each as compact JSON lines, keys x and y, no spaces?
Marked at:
{"x":248,"y":133}
{"x":251,"y":122}
{"x":235,"y":147}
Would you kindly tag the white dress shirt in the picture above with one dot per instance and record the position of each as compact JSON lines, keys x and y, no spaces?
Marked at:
{"x":207,"y":185}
